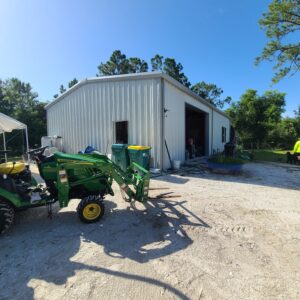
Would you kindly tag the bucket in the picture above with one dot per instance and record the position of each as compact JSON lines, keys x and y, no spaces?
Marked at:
{"x":154,"y":171}
{"x":176,"y":164}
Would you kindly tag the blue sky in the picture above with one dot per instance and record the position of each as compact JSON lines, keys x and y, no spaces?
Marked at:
{"x":48,"y":43}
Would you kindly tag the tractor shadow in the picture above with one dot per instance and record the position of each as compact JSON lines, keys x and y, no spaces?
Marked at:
{"x":50,"y":250}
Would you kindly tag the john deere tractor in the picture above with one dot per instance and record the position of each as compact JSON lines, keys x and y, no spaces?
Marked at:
{"x":88,"y":177}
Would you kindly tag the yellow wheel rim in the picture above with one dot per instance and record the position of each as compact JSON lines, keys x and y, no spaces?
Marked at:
{"x":92,"y":211}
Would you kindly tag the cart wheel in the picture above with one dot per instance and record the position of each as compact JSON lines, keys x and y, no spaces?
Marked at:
{"x":7,"y":215}
{"x":90,"y":209}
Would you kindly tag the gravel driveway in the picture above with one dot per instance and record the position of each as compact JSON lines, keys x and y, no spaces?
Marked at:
{"x":216,"y":237}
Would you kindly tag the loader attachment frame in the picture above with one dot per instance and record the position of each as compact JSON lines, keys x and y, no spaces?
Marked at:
{"x":134,"y":183}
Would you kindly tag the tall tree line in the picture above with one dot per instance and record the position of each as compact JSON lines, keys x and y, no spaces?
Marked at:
{"x":19,"y":101}
{"x":258,"y":118}
{"x":259,"y":123}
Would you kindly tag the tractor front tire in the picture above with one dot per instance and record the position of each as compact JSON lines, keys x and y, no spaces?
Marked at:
{"x":7,"y":215}
{"x":90,"y":209}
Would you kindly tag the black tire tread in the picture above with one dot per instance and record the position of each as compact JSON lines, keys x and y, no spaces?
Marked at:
{"x":7,"y":215}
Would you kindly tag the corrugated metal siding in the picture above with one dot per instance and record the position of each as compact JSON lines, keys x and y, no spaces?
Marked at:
{"x":219,"y":122}
{"x":87,"y":115}
{"x":175,"y":101}
{"x":174,"y":125}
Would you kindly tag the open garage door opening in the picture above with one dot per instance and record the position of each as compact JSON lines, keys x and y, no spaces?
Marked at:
{"x":196,"y":132}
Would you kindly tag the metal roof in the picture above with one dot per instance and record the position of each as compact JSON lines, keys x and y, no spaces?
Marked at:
{"x":135,"y":76}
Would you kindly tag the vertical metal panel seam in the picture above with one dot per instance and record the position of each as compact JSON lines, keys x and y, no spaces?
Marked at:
{"x":162,"y":97}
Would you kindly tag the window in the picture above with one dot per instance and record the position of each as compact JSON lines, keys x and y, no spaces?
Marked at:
{"x":121,"y":132}
{"x":223,"y":134}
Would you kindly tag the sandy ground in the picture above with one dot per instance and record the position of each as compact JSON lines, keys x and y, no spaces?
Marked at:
{"x":223,"y":237}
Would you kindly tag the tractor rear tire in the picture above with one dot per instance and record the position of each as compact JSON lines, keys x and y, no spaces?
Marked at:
{"x":90,"y":209}
{"x":7,"y":215}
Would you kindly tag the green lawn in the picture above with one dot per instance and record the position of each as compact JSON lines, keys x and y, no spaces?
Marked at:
{"x":271,"y":155}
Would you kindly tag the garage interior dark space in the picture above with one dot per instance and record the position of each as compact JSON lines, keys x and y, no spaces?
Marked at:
{"x":196,"y":132}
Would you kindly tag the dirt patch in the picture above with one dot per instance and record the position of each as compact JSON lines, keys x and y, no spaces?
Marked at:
{"x":225,"y":237}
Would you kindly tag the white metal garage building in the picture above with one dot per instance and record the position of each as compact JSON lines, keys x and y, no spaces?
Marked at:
{"x":142,"y":109}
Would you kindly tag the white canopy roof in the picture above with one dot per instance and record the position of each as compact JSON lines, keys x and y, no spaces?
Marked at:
{"x":8,"y":124}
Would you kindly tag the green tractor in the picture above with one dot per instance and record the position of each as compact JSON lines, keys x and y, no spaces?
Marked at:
{"x":88,"y":177}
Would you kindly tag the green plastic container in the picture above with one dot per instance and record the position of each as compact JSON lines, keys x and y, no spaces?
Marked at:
{"x":120,"y":155}
{"x":140,"y":155}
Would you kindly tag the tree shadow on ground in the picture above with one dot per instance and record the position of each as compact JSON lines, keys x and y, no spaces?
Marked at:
{"x":123,"y":234}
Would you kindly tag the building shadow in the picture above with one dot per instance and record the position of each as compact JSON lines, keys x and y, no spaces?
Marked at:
{"x":123,"y":234}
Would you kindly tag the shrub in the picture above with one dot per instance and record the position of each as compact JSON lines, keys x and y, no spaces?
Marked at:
{"x":222,"y":159}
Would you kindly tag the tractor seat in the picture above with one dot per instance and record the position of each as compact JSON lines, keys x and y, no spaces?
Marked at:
{"x":12,"y":168}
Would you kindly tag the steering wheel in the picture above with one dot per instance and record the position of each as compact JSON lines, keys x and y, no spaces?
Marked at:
{"x":37,"y":151}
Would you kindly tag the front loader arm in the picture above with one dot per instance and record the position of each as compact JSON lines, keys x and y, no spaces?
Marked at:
{"x":136,"y":176}
{"x":134,"y":183}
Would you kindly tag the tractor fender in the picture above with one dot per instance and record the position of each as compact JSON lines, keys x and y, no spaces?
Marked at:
{"x":12,"y":198}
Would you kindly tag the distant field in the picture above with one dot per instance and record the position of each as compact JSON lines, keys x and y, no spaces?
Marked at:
{"x":271,"y":155}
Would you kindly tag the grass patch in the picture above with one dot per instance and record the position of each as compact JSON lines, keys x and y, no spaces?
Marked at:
{"x":270,"y":155}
